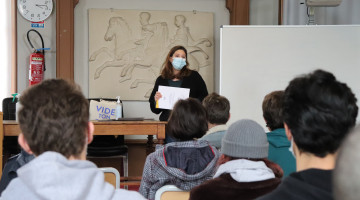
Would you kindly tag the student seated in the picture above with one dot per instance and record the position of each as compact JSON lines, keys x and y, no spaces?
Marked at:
{"x":244,"y":171}
{"x":318,"y":112}
{"x":186,"y":162}
{"x":278,"y":143}
{"x":347,"y":171}
{"x":217,"y":113}
{"x":54,"y":120}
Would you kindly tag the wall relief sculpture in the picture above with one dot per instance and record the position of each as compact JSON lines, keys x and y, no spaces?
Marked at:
{"x":127,"y":49}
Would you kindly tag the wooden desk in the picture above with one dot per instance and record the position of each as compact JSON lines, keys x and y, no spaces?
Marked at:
{"x":150,"y":128}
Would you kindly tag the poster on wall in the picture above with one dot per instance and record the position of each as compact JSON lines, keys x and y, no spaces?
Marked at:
{"x":127,"y":49}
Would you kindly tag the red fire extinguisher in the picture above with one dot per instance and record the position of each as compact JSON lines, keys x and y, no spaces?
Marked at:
{"x":37,"y":61}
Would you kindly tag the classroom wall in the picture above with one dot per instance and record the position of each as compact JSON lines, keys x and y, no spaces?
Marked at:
{"x":264,"y":12}
{"x":24,"y":49}
{"x":260,"y":14}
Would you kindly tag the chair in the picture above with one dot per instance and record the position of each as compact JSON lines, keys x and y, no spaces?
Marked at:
{"x":11,"y":146}
{"x":112,"y":176}
{"x":105,"y":150}
{"x":171,"y":192}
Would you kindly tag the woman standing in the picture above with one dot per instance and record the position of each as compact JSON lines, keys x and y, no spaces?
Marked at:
{"x":176,"y":73}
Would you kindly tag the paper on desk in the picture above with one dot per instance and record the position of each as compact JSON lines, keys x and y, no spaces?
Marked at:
{"x":170,"y":95}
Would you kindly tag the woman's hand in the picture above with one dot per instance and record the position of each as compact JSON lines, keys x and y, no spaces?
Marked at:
{"x":157,"y":96}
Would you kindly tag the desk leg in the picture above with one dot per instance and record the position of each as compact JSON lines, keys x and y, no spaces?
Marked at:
{"x":150,"y":145}
{"x":161,"y":134}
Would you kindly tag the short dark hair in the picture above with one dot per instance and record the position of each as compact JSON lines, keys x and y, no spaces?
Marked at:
{"x":187,"y":120}
{"x":217,"y":108}
{"x":272,"y":107}
{"x":319,"y":111}
{"x":54,"y":117}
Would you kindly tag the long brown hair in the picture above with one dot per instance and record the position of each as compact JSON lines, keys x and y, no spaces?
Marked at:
{"x":167,"y":71}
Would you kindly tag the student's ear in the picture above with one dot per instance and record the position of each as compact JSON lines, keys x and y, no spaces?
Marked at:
{"x":287,"y":132}
{"x":90,"y":132}
{"x":23,"y":143}
{"x":223,"y":159}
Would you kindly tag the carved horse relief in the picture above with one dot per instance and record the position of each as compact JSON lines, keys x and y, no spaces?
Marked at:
{"x":145,"y":50}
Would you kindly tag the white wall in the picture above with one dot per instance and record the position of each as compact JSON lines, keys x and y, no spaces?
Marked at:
{"x":264,"y":12}
{"x":24,"y":49}
{"x":5,"y":52}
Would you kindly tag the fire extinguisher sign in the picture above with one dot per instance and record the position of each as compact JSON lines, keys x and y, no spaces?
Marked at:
{"x":38,"y":24}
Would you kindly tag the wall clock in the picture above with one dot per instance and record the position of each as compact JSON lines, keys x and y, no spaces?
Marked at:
{"x":35,"y":10}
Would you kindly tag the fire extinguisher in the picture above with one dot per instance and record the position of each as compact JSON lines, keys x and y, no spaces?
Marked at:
{"x":37,"y":61}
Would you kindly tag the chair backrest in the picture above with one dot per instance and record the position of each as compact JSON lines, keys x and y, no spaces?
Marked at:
{"x":112,"y":176}
{"x":171,"y":192}
{"x":9,"y":108}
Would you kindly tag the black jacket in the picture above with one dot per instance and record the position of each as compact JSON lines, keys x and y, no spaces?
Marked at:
{"x":194,"y":82}
{"x":311,"y":184}
{"x":11,"y":166}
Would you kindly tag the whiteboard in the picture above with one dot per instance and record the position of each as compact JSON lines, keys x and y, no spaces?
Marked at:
{"x":256,"y":60}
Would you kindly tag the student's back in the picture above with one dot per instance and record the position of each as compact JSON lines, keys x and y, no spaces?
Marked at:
{"x":244,"y":172}
{"x":186,"y":162}
{"x":217,"y":113}
{"x":279,"y":151}
{"x":279,"y":144}
{"x":318,"y":112}
{"x":52,"y":176}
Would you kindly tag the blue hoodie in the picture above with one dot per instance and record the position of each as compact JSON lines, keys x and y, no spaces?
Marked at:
{"x":279,"y":151}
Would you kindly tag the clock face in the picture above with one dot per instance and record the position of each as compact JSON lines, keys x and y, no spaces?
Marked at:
{"x":35,"y":10}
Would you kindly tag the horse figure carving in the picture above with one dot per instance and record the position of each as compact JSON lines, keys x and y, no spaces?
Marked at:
{"x":147,"y":52}
{"x":119,"y":32}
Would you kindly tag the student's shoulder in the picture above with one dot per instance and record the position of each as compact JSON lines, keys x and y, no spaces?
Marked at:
{"x":286,"y":190}
{"x":211,"y":189}
{"x":16,"y":190}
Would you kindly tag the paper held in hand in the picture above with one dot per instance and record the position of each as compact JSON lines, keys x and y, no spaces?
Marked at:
{"x":170,"y":95}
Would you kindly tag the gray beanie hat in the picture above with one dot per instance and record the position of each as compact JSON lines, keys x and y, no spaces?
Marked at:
{"x":245,"y":139}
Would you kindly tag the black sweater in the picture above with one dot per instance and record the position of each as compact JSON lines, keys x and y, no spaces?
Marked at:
{"x":194,"y":82}
{"x":311,"y":184}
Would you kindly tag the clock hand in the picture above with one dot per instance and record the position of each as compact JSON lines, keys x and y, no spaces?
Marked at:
{"x":41,"y":6}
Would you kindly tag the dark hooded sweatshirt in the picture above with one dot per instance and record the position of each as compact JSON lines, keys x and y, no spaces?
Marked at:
{"x":311,"y":184}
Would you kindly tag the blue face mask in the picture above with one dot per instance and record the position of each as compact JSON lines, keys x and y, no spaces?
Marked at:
{"x":178,"y":63}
